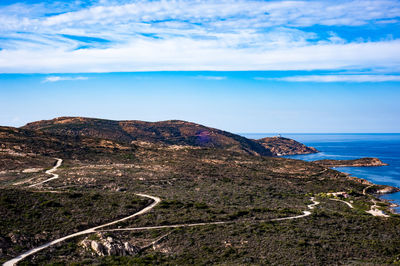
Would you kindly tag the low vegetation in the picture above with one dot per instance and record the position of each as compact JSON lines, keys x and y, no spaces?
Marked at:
{"x":31,"y":218}
{"x":98,"y":182}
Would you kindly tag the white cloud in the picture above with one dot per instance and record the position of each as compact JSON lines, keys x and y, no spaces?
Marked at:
{"x":299,"y":13}
{"x":337,"y":78}
{"x":58,"y":78}
{"x":211,"y":15}
{"x":193,"y":35}
{"x":211,"y":77}
{"x":188,"y":54}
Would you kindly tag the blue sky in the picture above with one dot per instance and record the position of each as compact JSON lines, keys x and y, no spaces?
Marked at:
{"x":243,"y":66}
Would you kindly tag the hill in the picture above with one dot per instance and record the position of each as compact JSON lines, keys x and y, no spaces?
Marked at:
{"x":284,"y":146}
{"x":21,"y":147}
{"x":172,"y":132}
{"x":240,"y":209}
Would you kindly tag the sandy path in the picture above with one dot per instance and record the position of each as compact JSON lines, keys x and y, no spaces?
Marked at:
{"x":375,"y":211}
{"x":374,"y":208}
{"x":305,"y":214}
{"x":50,"y":172}
{"x":156,"y":200}
{"x":345,"y":202}
{"x":148,"y":208}
{"x":365,"y":189}
{"x":15,"y":260}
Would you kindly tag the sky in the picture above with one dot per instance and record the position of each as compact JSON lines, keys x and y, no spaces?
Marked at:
{"x":238,"y":65}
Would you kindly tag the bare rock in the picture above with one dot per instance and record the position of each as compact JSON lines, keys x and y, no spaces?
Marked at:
{"x":283,"y":146}
{"x":108,"y":246}
{"x":387,"y":190}
{"x":98,"y":248}
{"x":13,"y":237}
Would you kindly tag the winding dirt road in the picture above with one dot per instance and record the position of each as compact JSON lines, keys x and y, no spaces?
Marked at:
{"x":305,"y":214}
{"x":156,"y":201}
{"x":345,"y":202}
{"x":15,"y":260}
{"x":375,"y":211}
{"x":50,"y":172}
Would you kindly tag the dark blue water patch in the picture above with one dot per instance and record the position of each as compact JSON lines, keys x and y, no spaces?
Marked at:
{"x":353,"y":146}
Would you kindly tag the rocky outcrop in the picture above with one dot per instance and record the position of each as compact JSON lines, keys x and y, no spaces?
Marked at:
{"x":363,"y":162}
{"x":387,"y":190}
{"x":283,"y":146}
{"x":108,"y":246}
{"x":381,"y":189}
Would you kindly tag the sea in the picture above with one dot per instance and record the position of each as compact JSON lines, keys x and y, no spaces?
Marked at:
{"x":385,"y":146}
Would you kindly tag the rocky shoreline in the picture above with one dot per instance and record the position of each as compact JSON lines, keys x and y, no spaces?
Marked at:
{"x":280,"y":146}
{"x":362,"y":162}
{"x":378,"y":190}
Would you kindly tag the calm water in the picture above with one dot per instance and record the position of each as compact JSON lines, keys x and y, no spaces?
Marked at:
{"x":352,"y":146}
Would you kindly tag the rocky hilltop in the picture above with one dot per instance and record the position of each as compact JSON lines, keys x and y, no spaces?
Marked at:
{"x":283,"y":146}
{"x":362,"y":162}
{"x":172,"y":132}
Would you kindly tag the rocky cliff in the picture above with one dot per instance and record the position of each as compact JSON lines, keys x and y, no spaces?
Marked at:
{"x":283,"y":146}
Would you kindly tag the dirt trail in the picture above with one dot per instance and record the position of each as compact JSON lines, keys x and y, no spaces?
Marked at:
{"x":345,"y":202}
{"x":374,"y":208}
{"x":305,"y":214}
{"x":50,"y":172}
{"x":375,"y":211}
{"x":15,"y":260}
{"x":156,"y":200}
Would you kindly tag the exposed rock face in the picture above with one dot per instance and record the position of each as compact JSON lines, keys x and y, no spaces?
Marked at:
{"x":107,"y":246}
{"x":363,"y":162}
{"x":381,"y":189}
{"x":283,"y":146}
{"x":171,"y":132}
{"x":387,"y":190}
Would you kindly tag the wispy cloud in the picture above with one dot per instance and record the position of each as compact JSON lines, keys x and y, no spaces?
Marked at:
{"x":336,"y":78}
{"x":58,"y":78}
{"x":186,"y":54}
{"x":133,"y":35}
{"x":211,"y":77}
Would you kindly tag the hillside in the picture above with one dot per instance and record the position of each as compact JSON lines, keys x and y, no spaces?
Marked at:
{"x":172,"y":132}
{"x":20,"y":147}
{"x":217,"y":206}
{"x":284,"y":146}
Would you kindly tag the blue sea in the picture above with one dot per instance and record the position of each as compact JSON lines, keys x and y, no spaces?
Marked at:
{"x":352,"y":146}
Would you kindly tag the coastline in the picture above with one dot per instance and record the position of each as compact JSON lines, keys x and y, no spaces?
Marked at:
{"x":353,"y":146}
{"x":381,"y":191}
